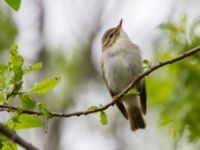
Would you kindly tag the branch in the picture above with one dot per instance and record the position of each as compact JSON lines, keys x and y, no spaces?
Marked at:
{"x":15,"y":138}
{"x":117,"y":97}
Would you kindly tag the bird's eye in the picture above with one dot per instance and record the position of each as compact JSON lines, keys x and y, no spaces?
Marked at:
{"x":110,"y":35}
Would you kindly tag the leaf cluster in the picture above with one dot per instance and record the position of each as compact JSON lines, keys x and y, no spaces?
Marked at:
{"x":11,"y":91}
{"x":176,"y":88}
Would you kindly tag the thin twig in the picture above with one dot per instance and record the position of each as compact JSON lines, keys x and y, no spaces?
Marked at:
{"x":117,"y":97}
{"x":15,"y":138}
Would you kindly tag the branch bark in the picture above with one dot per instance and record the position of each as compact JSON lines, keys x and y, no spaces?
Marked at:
{"x":15,"y":138}
{"x":117,"y":97}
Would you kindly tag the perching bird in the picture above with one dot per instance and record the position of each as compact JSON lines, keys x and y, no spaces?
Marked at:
{"x":121,"y":62}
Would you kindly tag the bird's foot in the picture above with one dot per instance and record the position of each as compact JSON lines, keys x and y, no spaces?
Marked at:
{"x":114,"y":98}
{"x":135,"y":78}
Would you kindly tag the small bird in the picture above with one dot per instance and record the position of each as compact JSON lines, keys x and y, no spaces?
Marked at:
{"x":121,"y":62}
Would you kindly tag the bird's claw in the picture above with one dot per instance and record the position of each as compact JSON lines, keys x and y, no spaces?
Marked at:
{"x":135,"y":78}
{"x":114,"y":98}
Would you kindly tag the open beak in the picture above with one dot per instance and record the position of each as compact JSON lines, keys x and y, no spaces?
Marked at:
{"x":119,"y":26}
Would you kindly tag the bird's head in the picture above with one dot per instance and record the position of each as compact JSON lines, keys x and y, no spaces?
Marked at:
{"x":111,"y":36}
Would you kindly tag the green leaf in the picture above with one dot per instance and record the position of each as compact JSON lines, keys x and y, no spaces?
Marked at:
{"x":165,"y":121}
{"x":33,"y":68}
{"x":92,"y":107}
{"x":2,"y":82}
{"x":45,"y":113}
{"x":45,"y":85}
{"x":17,"y":77}
{"x":146,"y":63}
{"x":17,"y":86}
{"x":132,"y":92}
{"x":3,"y":68}
{"x":174,"y":133}
{"x":14,"y":49}
{"x":2,"y":138}
{"x":23,"y":121}
{"x":28,"y":101}
{"x":15,"y":4}
{"x":28,"y":121}
{"x":15,"y":60}
{"x":8,"y":145}
{"x":169,"y":27}
{"x":1,"y":97}
{"x":183,"y":23}
{"x":103,"y":118}
{"x":43,"y":108}
{"x":15,"y":63}
{"x":12,"y":121}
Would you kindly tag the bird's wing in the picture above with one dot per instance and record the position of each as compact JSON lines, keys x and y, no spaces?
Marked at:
{"x":122,"y":108}
{"x":120,"y":105}
{"x":143,"y":101}
{"x":141,"y":86}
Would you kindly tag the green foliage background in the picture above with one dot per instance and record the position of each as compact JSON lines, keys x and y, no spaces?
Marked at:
{"x":174,"y":90}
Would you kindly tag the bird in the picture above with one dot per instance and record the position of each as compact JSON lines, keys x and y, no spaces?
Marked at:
{"x":121,"y":62}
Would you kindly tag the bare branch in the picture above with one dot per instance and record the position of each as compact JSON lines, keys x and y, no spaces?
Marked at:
{"x":117,"y":97}
{"x":15,"y":138}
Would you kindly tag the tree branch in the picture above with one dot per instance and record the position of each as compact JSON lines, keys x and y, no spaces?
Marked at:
{"x":15,"y":138}
{"x":117,"y":97}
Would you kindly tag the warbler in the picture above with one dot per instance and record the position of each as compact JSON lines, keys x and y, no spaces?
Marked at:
{"x":121,"y":62}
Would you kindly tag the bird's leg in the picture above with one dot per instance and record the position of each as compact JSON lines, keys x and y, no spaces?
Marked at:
{"x":114,"y":98}
{"x":135,"y":78}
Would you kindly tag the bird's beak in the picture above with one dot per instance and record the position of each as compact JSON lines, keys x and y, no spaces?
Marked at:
{"x":119,"y":26}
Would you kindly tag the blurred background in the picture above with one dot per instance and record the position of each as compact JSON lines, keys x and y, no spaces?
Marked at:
{"x":65,"y":35}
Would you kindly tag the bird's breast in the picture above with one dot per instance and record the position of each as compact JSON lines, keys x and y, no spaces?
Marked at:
{"x":119,"y":69}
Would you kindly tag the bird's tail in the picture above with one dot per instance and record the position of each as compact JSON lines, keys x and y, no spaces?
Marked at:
{"x":135,"y":114}
{"x":136,"y":118}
